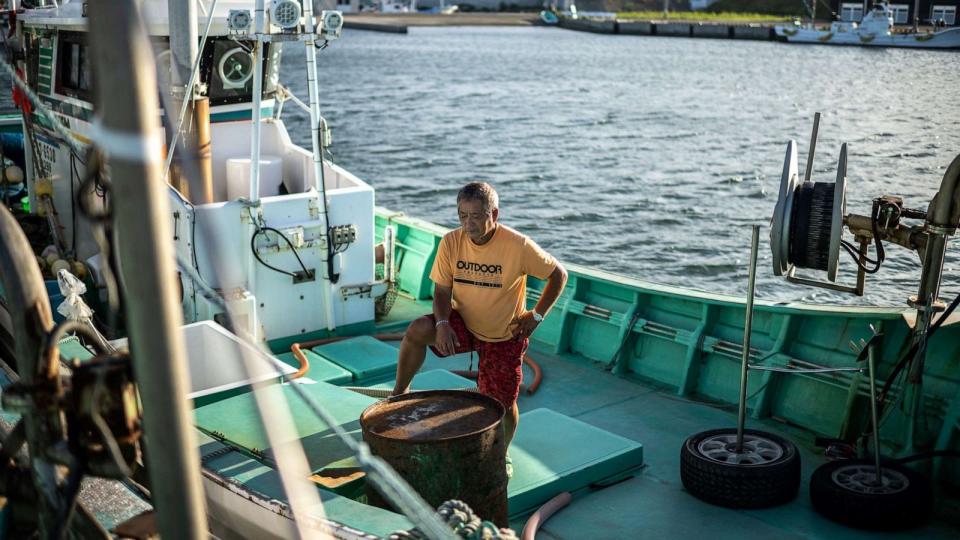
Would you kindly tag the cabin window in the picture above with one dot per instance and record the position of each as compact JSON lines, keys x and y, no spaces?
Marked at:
{"x":73,"y":66}
{"x":32,"y":54}
{"x":947,"y":13}
{"x":851,"y":12}
{"x":901,"y":13}
{"x":228,"y":64}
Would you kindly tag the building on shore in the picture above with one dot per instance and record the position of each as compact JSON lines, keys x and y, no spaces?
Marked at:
{"x":484,"y":5}
{"x":928,"y":12}
{"x":697,"y":5}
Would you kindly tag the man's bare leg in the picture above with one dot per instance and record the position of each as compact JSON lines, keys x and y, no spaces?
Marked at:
{"x":413,"y":349}
{"x":510,"y":421}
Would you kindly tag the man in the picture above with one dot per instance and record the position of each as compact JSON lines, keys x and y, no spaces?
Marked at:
{"x":479,"y":301}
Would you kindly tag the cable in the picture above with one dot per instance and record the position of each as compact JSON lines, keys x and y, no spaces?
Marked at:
{"x":626,"y":337}
{"x":908,"y":357}
{"x":928,"y":455}
{"x":253,"y":248}
{"x":74,"y":175}
{"x":193,"y":237}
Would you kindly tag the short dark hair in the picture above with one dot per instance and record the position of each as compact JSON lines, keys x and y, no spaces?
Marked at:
{"x":479,"y":191}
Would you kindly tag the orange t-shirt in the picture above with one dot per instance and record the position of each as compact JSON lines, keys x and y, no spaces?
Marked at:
{"x":489,"y":281}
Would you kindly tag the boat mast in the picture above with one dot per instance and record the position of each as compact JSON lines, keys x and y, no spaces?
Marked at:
{"x":128,"y":131}
{"x":182,"y":17}
{"x":312,"y":86}
{"x":258,"y":26}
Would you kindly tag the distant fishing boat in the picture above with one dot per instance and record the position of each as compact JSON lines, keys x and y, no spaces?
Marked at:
{"x":549,"y":17}
{"x":874,"y":30}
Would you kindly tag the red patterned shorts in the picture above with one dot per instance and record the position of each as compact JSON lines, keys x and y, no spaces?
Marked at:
{"x":500,"y":362}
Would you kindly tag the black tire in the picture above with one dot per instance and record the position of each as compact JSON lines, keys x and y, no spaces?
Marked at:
{"x":899,"y":507}
{"x":771,"y":481}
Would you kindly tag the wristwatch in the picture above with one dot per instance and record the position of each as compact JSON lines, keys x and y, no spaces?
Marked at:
{"x":537,"y":317}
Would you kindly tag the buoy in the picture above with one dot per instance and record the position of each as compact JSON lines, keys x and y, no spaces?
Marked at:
{"x":14,"y":175}
{"x":59,"y":265}
{"x":79,"y":269}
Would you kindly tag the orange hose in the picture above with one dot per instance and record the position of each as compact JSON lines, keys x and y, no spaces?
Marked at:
{"x":302,"y":358}
{"x":537,"y":375}
{"x":538,"y":518}
{"x":323,"y":341}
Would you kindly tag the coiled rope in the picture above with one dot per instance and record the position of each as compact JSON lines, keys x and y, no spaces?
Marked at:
{"x":464,"y":522}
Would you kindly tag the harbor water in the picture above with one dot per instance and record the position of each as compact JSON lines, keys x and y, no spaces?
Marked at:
{"x":644,"y":156}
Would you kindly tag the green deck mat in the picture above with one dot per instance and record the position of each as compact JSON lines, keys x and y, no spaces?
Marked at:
{"x":553,"y":453}
{"x":237,"y":419}
{"x":264,"y":480}
{"x":365,"y":356}
{"x":321,"y":369}
{"x":435,"y":379}
{"x":70,"y":348}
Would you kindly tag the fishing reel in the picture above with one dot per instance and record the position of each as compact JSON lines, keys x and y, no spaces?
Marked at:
{"x":806,"y":229}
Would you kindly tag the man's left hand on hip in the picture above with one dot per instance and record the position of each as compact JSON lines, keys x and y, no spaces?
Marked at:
{"x":526,"y":324}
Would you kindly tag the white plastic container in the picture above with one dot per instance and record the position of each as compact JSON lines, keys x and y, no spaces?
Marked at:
{"x":238,"y":176}
{"x":215,"y":360}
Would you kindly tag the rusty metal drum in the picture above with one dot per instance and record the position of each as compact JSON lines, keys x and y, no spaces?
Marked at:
{"x":447,"y":444}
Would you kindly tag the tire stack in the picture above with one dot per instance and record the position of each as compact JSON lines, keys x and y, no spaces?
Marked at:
{"x":766,"y":473}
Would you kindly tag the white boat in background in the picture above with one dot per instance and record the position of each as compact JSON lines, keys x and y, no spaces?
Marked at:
{"x":874,"y":30}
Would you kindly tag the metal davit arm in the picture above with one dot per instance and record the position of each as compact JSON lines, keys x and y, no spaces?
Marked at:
{"x":945,"y":208}
{"x":943,"y":216}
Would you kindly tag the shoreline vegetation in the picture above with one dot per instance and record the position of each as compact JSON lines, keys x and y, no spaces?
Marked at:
{"x":697,"y":16}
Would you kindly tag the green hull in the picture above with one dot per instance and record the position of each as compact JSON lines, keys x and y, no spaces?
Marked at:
{"x":691,"y":342}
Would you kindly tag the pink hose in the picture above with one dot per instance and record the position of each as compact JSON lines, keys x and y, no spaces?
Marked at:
{"x":543,"y":514}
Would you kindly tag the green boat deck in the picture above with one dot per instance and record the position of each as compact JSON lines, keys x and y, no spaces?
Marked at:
{"x":613,"y":440}
{"x":651,"y":502}
{"x":585,"y":430}
{"x":546,"y":464}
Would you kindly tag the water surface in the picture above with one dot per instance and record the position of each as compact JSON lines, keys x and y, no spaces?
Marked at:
{"x":645,"y":156}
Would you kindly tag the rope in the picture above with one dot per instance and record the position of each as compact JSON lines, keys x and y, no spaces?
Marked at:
{"x":394,"y":488}
{"x":384,"y":393}
{"x":464,"y":522}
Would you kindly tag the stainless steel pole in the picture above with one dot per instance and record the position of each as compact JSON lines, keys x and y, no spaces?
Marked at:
{"x":871,"y":362}
{"x":747,"y":327}
{"x":182,"y":17}
{"x":813,"y":147}
{"x":323,"y":202}
{"x":254,"y":187}
{"x":128,"y":130}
